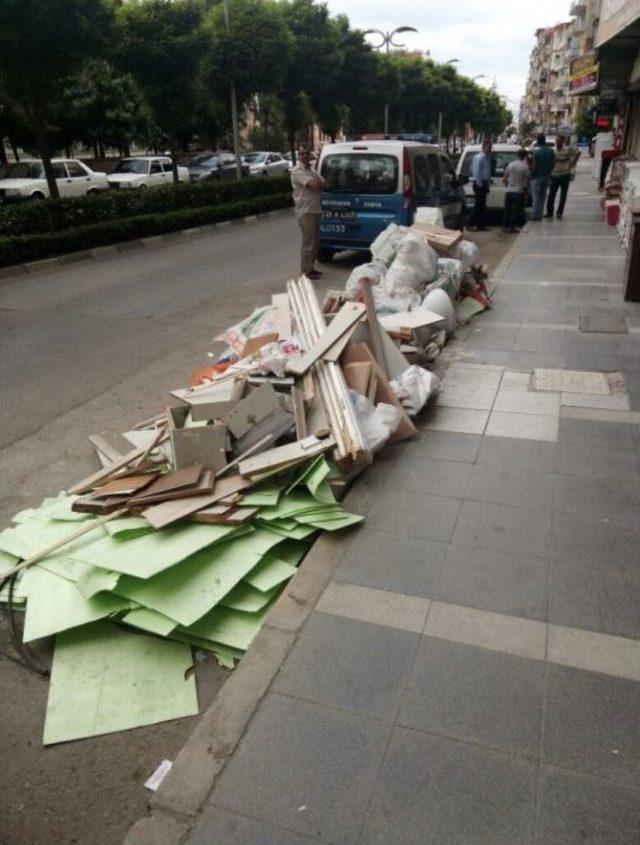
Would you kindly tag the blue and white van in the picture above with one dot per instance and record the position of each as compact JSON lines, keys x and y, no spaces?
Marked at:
{"x":371,"y":184}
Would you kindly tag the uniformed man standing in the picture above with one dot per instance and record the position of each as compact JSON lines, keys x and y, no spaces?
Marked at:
{"x":307,"y":185}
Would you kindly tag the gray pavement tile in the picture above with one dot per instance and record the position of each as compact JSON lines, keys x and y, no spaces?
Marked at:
{"x":349,"y":664}
{"x":593,"y":360}
{"x":475,"y":695}
{"x":422,"y":475}
{"x":402,"y":512}
{"x":517,"y":402}
{"x":512,"y":453}
{"x":504,"y":528}
{"x":591,"y":724}
{"x":445,"y":445}
{"x":300,"y":754}
{"x":461,"y":420}
{"x":503,"y":582}
{"x":527,"y":426}
{"x":595,"y":431}
{"x":602,"y":497}
{"x":480,"y":355}
{"x":408,"y":565}
{"x":466,"y":396}
{"x":436,"y":791}
{"x":379,"y":607}
{"x":217,"y":826}
{"x":579,"y":810}
{"x":491,"y":337}
{"x":564,"y":269}
{"x":531,"y":360}
{"x":533,"y":339}
{"x":618,"y":656}
{"x":514,"y":486}
{"x":477,"y":377}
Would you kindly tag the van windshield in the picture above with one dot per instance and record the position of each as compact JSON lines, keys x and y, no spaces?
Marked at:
{"x":499,"y":162}
{"x":361,"y":173}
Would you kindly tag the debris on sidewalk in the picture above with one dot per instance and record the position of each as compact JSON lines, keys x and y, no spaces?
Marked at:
{"x":197,"y":518}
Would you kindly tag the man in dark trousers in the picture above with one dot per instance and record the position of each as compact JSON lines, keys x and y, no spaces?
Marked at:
{"x":307,"y":185}
{"x":481,"y":174}
{"x":543,"y":160}
{"x":561,"y":175}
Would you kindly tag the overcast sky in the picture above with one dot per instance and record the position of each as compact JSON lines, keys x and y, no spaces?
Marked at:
{"x":493,"y":37}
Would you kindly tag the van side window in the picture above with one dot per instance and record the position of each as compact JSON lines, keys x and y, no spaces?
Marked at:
{"x":448,"y":173}
{"x":433,"y":166}
{"x":421,"y":175}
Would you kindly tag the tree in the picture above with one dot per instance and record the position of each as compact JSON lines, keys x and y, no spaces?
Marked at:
{"x":584,"y":124}
{"x":161,"y":43}
{"x":42,"y":43}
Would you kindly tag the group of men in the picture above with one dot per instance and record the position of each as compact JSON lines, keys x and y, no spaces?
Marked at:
{"x":546,"y":170}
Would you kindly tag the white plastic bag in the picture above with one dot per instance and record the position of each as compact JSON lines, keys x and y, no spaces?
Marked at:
{"x":386,"y":245}
{"x":430,"y":215}
{"x":439,"y":301}
{"x":375,"y":271}
{"x":467,"y":252}
{"x":415,"y":265}
{"x":414,"y":387}
{"x":377,"y":422}
{"x":387,"y":304}
{"x":453,"y":269}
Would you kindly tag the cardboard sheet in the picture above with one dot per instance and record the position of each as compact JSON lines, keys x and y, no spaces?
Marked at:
{"x":55,"y":604}
{"x":28,"y":538}
{"x":105,"y":678}
{"x":247,"y":598}
{"x":149,"y":620}
{"x":57,"y":507}
{"x":187,"y":591}
{"x":263,"y":495}
{"x":96,"y":580}
{"x":229,"y":627}
{"x":270,"y":572}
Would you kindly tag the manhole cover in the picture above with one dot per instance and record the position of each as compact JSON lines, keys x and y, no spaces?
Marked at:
{"x":606,"y":322}
{"x":571,"y":381}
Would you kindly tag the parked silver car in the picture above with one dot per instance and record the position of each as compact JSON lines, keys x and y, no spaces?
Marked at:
{"x":265,"y":164}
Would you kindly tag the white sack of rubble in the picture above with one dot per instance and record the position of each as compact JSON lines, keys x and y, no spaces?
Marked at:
{"x":415,"y":265}
{"x":453,"y":269}
{"x":387,"y":243}
{"x":414,"y":387}
{"x":439,"y":301}
{"x":430,"y":215}
{"x":377,"y":422}
{"x":375,"y":271}
{"x":467,"y":252}
{"x":387,"y":304}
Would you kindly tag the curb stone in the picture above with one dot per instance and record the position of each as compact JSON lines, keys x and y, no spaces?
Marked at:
{"x":139,"y":243}
{"x":221,"y":727}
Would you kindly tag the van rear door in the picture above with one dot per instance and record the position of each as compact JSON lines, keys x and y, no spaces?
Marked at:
{"x":362,"y":196}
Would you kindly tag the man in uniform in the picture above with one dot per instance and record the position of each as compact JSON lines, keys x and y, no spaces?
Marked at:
{"x":307,"y":185}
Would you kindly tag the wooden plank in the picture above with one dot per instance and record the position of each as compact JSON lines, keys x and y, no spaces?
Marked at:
{"x":410,"y":320}
{"x":261,"y":444}
{"x":359,"y":352}
{"x":232,"y":516}
{"x":280,"y":302}
{"x":206,"y":484}
{"x":260,"y":403}
{"x":438,"y":237}
{"x":95,"y":478}
{"x":374,"y":326}
{"x":347,"y":317}
{"x":357,"y":375}
{"x":335,"y":351}
{"x":103,"y":443}
{"x":126,"y":486}
{"x":187,"y":477}
{"x":310,"y":447}
{"x":169,"y":512}
{"x":99,"y":505}
{"x":297,"y":397}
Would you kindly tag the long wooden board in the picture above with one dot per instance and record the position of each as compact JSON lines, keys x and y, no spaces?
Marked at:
{"x":168,"y":512}
{"x":347,"y":317}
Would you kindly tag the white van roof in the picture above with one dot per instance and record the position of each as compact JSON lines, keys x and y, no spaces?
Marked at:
{"x":496,"y":148}
{"x":377,"y":146}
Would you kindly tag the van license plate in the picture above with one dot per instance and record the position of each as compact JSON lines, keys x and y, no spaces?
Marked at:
{"x":344,"y":216}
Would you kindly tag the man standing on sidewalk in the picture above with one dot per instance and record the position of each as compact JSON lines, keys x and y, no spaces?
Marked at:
{"x":307,"y":185}
{"x":481,"y":174}
{"x":543,"y":162}
{"x":561,"y":175}
{"x":516,"y":178}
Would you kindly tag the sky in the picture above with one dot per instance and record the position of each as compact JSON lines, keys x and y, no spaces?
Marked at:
{"x":491,"y":37}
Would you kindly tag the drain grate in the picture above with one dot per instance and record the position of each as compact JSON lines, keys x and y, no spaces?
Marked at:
{"x":603,"y":321}
{"x":571,"y":381}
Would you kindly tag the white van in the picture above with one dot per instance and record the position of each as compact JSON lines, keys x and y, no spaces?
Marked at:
{"x":501,"y":156}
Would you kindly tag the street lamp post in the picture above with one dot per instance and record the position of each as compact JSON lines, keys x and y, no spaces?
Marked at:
{"x":234,"y":107}
{"x":388,"y":42}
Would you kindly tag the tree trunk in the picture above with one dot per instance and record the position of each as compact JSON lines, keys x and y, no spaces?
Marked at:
{"x":45,"y":154}
{"x":101,"y":149}
{"x":127,"y":151}
{"x":14,"y":150}
{"x":3,"y":153}
{"x":174,"y":165}
{"x":95,"y":149}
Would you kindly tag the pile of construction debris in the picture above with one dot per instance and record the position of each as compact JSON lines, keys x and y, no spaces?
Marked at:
{"x":187,"y":539}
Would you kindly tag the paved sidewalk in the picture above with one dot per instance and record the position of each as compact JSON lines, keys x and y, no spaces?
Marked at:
{"x":471,"y":673}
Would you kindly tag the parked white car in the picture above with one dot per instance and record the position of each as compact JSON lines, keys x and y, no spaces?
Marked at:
{"x":145,"y":172}
{"x":266,"y":164}
{"x":25,"y":180}
{"x":501,"y":156}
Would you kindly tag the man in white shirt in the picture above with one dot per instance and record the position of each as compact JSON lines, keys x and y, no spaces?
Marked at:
{"x":516,"y":178}
{"x":307,"y":185}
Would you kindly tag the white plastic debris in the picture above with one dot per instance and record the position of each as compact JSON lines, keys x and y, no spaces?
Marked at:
{"x":467,"y":252}
{"x":387,"y":304}
{"x":155,"y":780}
{"x":375,"y":271}
{"x":261,"y":321}
{"x":386,"y":245}
{"x":414,"y":387}
{"x":454,"y":271}
{"x":438,"y":301}
{"x":377,"y":422}
{"x":427,"y":214}
{"x":415,"y":265}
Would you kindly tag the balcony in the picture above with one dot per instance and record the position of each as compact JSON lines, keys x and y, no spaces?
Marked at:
{"x":578,"y":9}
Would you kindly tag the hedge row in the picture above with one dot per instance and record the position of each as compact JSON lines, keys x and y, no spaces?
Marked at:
{"x":32,"y":218}
{"x":16,"y":249}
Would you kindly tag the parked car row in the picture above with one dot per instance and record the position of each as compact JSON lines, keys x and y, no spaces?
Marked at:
{"x":26,"y":179}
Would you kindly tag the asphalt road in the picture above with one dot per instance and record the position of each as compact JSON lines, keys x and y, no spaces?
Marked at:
{"x":85,"y":348}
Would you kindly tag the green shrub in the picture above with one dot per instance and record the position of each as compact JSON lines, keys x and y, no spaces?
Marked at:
{"x":32,"y":218}
{"x":16,"y":249}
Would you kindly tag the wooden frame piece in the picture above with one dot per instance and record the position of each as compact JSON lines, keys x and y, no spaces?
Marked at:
{"x":348,"y":316}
